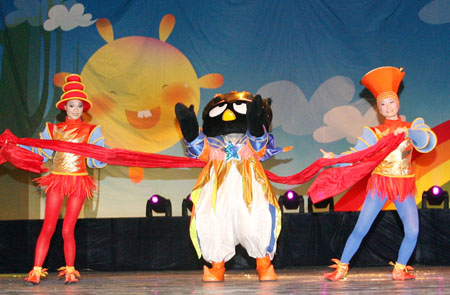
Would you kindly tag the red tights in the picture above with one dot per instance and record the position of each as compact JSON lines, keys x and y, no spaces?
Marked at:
{"x":53,"y":205}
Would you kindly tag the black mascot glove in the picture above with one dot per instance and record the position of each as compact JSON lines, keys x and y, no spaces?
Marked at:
{"x":255,"y":117}
{"x":188,"y":121}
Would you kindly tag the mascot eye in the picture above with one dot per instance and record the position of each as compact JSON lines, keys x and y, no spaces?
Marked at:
{"x":240,"y":107}
{"x":217,"y":110}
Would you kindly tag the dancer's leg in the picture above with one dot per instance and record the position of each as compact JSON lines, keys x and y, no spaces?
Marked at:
{"x":74,"y":205}
{"x":53,"y":205}
{"x":371,"y":208}
{"x":407,"y":210}
{"x":73,"y":209}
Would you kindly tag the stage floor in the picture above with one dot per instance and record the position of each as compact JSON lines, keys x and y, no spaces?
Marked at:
{"x":304,"y":280}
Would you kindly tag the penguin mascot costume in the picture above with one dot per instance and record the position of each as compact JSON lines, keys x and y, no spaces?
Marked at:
{"x":233,"y":200}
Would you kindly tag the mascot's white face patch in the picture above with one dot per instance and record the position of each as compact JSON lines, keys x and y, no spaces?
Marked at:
{"x":240,"y":107}
{"x":217,"y":110}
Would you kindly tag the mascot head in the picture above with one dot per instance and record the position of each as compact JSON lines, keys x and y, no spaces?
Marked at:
{"x":227,"y":113}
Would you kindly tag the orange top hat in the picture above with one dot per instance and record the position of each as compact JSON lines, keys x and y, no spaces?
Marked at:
{"x":383,"y":82}
{"x":73,"y":89}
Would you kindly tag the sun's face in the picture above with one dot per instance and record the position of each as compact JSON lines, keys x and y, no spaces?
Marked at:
{"x":135,"y":92}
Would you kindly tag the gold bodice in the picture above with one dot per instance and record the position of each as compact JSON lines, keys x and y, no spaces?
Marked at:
{"x":398,"y":162}
{"x":68,"y":163}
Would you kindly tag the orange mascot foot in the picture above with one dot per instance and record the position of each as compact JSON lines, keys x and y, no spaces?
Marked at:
{"x":401,"y":272}
{"x":35,"y":275}
{"x":265,"y":269}
{"x":71,"y":275}
{"x":340,"y":272}
{"x":214,"y":274}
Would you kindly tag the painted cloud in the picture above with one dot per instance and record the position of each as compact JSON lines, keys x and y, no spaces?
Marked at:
{"x":59,"y":16}
{"x":298,"y":116}
{"x":344,"y":122}
{"x":436,"y":12}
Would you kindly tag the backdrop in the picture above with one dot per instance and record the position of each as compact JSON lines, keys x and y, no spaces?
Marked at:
{"x":139,"y":58}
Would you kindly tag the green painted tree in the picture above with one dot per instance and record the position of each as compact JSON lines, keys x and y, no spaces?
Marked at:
{"x":25,"y":78}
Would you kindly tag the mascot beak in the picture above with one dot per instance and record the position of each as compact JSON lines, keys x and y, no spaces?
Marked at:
{"x":228,"y":115}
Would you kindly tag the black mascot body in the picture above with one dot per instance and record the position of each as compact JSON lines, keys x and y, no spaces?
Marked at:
{"x":233,"y":200}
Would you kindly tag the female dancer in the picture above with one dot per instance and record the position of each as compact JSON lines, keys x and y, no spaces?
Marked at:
{"x":68,"y":177}
{"x":393,"y":179}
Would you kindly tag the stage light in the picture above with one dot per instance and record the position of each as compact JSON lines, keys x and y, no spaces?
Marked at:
{"x":158,"y":204}
{"x":186,"y":205}
{"x":435,"y":190}
{"x":321,"y":205}
{"x":291,"y":200}
{"x":434,"y":196}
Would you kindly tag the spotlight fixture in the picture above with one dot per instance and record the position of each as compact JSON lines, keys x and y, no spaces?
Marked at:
{"x":321,"y":205}
{"x":290,"y":200}
{"x":186,"y":205}
{"x":434,"y":196}
{"x":158,"y":204}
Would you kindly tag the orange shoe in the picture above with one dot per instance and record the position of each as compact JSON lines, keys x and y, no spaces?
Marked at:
{"x":35,"y":275}
{"x":265,"y":269}
{"x":214,"y":274}
{"x":401,"y":272}
{"x":340,"y":272}
{"x":70,"y":273}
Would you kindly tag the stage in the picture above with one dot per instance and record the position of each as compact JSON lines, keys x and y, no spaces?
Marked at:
{"x":156,"y":256}
{"x":163,"y":244}
{"x":302,"y":280}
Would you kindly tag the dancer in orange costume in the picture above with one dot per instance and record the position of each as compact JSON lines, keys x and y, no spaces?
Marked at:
{"x":393,"y":179}
{"x":68,"y":177}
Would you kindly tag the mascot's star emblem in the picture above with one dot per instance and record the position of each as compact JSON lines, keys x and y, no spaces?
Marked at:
{"x":231,"y":152}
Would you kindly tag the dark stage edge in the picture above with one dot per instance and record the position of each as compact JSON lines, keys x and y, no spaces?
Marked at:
{"x":163,"y":244}
{"x":305,"y":280}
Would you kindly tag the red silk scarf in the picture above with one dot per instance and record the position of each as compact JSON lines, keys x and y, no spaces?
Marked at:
{"x":332,"y":181}
{"x":329,"y":182}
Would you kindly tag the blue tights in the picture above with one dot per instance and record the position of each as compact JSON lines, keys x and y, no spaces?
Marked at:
{"x":407,"y":210}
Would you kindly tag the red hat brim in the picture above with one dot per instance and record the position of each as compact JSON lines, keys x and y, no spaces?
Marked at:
{"x":86,"y":103}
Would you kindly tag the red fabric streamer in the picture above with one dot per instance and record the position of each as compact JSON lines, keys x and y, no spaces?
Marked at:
{"x":19,"y":157}
{"x":333,"y":181}
{"x":27,"y":160}
{"x":329,"y":182}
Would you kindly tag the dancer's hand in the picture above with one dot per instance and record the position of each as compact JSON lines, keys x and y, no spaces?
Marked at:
{"x":399,"y":130}
{"x":327,"y":155}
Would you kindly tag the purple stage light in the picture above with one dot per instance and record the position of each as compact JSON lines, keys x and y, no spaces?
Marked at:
{"x":155,"y":199}
{"x":186,"y":205}
{"x":290,"y":195}
{"x":290,"y":200}
{"x":158,"y":204}
{"x":436,"y":190}
{"x":435,"y":196}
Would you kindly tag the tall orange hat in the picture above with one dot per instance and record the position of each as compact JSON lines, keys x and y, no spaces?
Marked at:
{"x":383,"y":82}
{"x":73,"y":89}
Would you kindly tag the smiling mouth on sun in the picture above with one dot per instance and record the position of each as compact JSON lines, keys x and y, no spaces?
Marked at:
{"x":143,"y":119}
